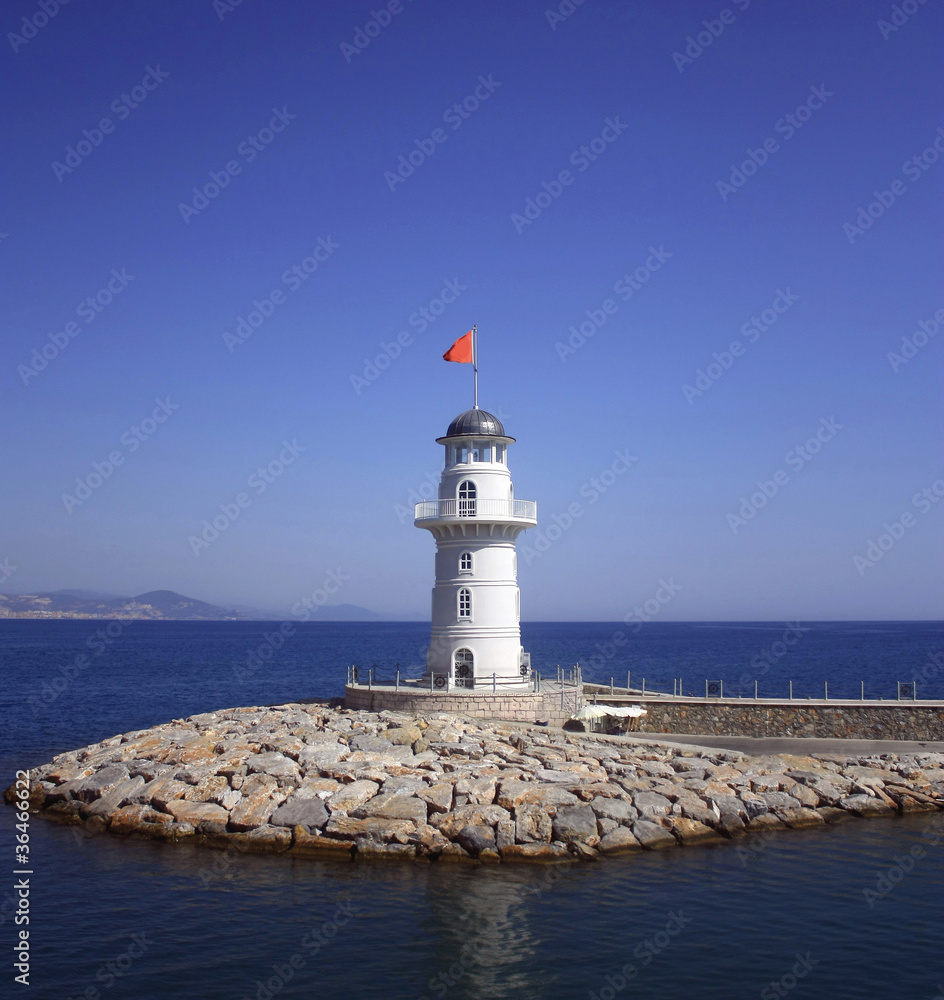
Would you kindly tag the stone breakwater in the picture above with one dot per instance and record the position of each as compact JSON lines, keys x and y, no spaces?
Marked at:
{"x":330,"y":782}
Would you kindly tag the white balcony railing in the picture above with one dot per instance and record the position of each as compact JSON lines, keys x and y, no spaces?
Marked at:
{"x":505,"y":510}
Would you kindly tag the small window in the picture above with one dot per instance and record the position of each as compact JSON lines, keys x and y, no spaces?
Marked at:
{"x":465,"y":562}
{"x":465,"y":603}
{"x":500,"y":453}
{"x":461,"y":454}
{"x":481,"y":451}
{"x":466,"y":499}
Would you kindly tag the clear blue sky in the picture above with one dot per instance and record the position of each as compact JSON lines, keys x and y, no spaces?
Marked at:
{"x":312,"y":123}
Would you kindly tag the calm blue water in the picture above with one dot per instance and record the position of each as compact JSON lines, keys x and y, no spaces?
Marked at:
{"x":146,"y":921}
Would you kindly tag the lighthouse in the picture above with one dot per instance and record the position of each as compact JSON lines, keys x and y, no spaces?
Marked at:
{"x":476,"y":634}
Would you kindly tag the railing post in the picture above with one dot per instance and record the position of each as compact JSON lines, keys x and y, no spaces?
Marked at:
{"x":398,"y":676}
{"x":430,"y":682}
{"x":611,"y":686}
{"x":721,"y":689}
{"x":493,"y":682}
{"x":627,"y":680}
{"x":863,"y":691}
{"x":644,"y":687}
{"x":370,"y":678}
{"x":826,"y":688}
{"x":791,"y":690}
{"x":755,"y":690}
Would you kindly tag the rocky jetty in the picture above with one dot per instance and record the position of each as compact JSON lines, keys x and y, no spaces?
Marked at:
{"x":319,"y":780}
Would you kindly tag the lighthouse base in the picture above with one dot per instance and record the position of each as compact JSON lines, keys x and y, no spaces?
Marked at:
{"x":554,"y":704}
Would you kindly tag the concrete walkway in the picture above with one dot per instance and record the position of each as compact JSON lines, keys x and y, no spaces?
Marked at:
{"x":795,"y":745}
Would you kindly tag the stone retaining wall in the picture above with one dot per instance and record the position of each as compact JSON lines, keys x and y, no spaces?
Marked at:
{"x":528,"y":706}
{"x":842,"y":720}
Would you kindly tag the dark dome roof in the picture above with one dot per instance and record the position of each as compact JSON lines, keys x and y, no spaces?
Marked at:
{"x":476,"y":422}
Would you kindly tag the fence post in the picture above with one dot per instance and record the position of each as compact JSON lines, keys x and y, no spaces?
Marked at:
{"x":644,"y":687}
{"x":627,"y":681}
{"x":755,"y":690}
{"x":398,"y":676}
{"x":611,"y":685}
{"x":721,"y":688}
{"x":493,"y":682}
{"x":370,"y":678}
{"x":791,"y":690}
{"x":826,"y":688}
{"x":863,"y":691}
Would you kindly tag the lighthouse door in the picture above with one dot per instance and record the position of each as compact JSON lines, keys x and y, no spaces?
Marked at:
{"x":464,"y":662}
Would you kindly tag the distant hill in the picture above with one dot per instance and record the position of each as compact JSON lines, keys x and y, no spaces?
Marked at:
{"x":155,"y":604}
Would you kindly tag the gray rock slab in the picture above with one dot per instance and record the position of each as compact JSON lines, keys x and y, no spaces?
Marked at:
{"x":575,"y":823}
{"x":310,"y":812}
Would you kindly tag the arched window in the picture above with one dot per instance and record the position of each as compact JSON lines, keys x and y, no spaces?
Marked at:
{"x":464,"y":662}
{"x":465,"y":562}
{"x":466,"y":498}
{"x":465,"y":603}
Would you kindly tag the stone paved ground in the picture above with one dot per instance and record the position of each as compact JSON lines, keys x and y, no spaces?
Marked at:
{"x":335,"y":783}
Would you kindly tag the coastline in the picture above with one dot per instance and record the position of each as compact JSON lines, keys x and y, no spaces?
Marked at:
{"x":327,"y":782}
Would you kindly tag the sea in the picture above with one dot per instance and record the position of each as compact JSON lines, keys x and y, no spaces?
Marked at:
{"x":846,"y":912}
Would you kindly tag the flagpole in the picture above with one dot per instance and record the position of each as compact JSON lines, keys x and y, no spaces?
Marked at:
{"x":475,"y":363}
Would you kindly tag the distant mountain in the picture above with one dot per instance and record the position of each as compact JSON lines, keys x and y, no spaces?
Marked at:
{"x":156,"y":604}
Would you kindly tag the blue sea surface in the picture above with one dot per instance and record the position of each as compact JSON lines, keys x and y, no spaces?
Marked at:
{"x":853,"y":911}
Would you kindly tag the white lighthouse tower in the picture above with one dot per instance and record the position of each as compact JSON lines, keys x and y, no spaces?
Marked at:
{"x":476,"y":636}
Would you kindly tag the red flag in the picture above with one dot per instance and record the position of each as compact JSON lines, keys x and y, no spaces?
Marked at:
{"x":461,"y":350}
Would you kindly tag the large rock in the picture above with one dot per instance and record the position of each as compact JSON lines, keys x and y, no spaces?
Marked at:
{"x":476,"y":839}
{"x":438,"y":796}
{"x":353,"y":795}
{"x":537,"y":853}
{"x":651,"y":804}
{"x":651,"y":835}
{"x":690,"y":831}
{"x":275,"y":764}
{"x":618,"y":810}
{"x":619,"y":841}
{"x":121,"y":794}
{"x":394,"y":807}
{"x":352,"y":828}
{"x":532,"y":823}
{"x":575,"y":823}
{"x":260,"y":798}
{"x":298,"y":811}
{"x":186,"y":811}
{"x":866,"y":805}
{"x":97,"y":784}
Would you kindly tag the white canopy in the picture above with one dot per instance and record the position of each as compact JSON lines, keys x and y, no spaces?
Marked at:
{"x":614,"y":711}
{"x":626,"y":712}
{"x":591,"y":712}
